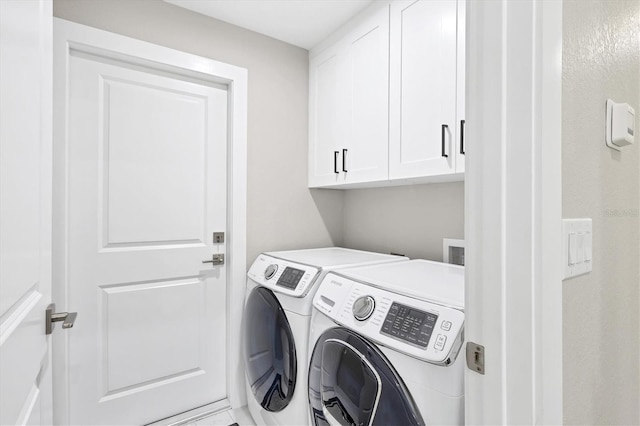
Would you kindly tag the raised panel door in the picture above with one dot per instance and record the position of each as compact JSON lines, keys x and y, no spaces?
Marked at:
{"x":25,"y":211}
{"x":146,"y":188}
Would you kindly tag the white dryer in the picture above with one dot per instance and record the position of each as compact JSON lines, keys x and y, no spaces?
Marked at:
{"x":384,"y":344}
{"x":280,"y":290}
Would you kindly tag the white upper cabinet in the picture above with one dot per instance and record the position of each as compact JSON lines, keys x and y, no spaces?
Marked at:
{"x":349,"y":105}
{"x":387,"y":97}
{"x":325,"y":118}
{"x":461,"y":88}
{"x":423,"y":88}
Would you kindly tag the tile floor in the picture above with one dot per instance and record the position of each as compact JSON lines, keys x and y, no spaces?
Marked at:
{"x":226,"y":418}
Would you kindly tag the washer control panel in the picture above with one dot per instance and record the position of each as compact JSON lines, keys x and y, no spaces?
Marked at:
{"x":282,"y":276}
{"x":409,"y":324}
{"x":416,"y":327}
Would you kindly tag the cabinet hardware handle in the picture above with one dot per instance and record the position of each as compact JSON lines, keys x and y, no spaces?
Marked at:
{"x":462,"y":137}
{"x":344,"y":160}
{"x":335,"y":161}
{"x":444,"y":131}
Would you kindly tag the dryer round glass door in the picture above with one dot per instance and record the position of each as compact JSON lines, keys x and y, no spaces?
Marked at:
{"x":269,"y":350}
{"x":351,"y":382}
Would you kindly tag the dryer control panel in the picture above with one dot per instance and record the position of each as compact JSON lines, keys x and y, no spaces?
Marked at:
{"x":281,"y":276}
{"x":425,"y":330}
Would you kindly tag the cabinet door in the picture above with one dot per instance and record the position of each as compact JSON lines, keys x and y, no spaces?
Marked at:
{"x":461,"y":88}
{"x":423,"y":88}
{"x":326,"y":103}
{"x":364,"y":148}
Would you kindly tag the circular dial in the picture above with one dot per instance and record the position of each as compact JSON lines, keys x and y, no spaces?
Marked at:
{"x":363,"y":307}
{"x":270,"y":271}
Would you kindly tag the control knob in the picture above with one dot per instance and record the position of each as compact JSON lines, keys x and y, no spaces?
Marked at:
{"x":363,"y":307}
{"x":270,"y":271}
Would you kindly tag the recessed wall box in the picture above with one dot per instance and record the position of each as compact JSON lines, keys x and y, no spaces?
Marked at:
{"x":453,"y":251}
{"x":620,"y":126}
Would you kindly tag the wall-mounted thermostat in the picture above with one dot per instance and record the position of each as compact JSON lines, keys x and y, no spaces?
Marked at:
{"x":620,"y":125}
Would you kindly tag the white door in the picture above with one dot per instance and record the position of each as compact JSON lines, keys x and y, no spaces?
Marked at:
{"x":25,"y":211}
{"x":146,"y":189}
{"x":422,"y":120}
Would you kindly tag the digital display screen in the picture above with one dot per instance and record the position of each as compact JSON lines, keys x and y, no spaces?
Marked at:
{"x":415,"y":315}
{"x":290,"y":278}
{"x":408,"y":324}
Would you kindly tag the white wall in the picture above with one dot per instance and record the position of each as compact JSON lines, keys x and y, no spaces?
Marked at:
{"x":282,"y":212}
{"x":601,"y":59}
{"x":410,"y":220}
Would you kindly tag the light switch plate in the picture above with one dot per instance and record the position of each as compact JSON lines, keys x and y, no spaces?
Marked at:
{"x":577,"y":247}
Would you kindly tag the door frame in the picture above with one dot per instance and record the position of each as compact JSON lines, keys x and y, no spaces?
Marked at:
{"x":69,"y":36}
{"x":513,"y":211}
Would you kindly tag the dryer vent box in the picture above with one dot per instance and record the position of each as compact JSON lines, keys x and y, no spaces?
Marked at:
{"x":453,"y":251}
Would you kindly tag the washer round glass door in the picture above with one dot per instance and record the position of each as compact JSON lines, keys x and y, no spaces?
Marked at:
{"x":269,"y":350}
{"x":352,"y":383}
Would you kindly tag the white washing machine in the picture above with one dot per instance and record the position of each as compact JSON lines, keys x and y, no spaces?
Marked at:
{"x":384,"y":344}
{"x":280,"y":289}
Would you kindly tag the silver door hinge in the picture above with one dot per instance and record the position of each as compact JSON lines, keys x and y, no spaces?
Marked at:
{"x":475,"y":357}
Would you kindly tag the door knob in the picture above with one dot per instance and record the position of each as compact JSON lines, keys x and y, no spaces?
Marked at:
{"x":51,"y":317}
{"x":216,"y":259}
